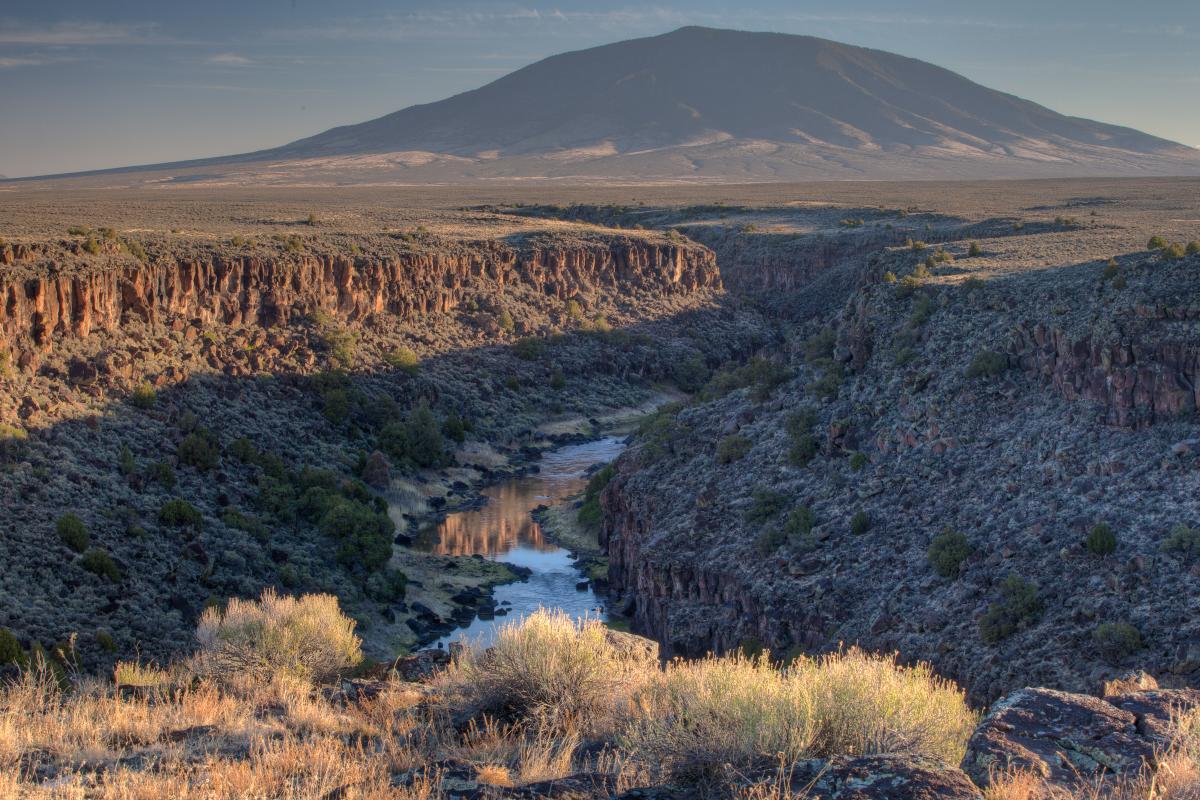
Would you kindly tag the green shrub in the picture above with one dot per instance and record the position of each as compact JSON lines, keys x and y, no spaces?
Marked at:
{"x":947,"y":551}
{"x":1117,"y":639}
{"x":691,"y":373}
{"x":144,"y":396}
{"x":241,"y":522}
{"x":403,"y":358}
{"x":1173,"y":252}
{"x":162,"y":473}
{"x":574,"y":310}
{"x":311,"y":219}
{"x":387,"y":586}
{"x":11,"y":651}
{"x":100,"y":563}
{"x":179,"y":513}
{"x":765,"y":505}
{"x":1183,"y":540}
{"x":342,"y":346}
{"x":506,"y":322}
{"x":302,"y":637}
{"x":454,"y":428}
{"x":73,"y":532}
{"x":860,"y":523}
{"x":820,"y":346}
{"x":987,"y":364}
{"x":417,"y":440}
{"x":1193,"y":247}
{"x":732,"y":448}
{"x":558,"y":380}
{"x":829,"y":384}
{"x":78,"y":230}
{"x":365,"y":535}
{"x":1111,"y":270}
{"x":335,"y":405}
{"x":1156,"y":243}
{"x":590,"y":514}
{"x":135,"y":249}
{"x":529,"y":348}
{"x":1018,"y":607}
{"x":106,"y":642}
{"x":126,"y":462}
{"x":889,"y":277}
{"x":1101,"y":540}
{"x":858,"y":460}
{"x":237,"y":240}
{"x":973,"y":250}
{"x":799,"y":523}
{"x":91,"y":246}
{"x":200,"y":450}
{"x":770,"y":539}
{"x":244,"y":450}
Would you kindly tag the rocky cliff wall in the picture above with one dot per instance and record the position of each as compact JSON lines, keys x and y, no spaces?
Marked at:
{"x":38,"y":306}
{"x":1135,"y":382}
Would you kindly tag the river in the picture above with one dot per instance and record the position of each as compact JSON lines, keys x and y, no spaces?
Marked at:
{"x":503,"y":529}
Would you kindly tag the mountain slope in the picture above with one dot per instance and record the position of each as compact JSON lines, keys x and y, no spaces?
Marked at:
{"x":721,"y":104}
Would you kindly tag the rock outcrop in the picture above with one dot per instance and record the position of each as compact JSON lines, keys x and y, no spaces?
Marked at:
{"x":40,"y":306}
{"x":1067,"y":739}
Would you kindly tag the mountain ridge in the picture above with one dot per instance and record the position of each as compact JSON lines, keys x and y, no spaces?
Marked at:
{"x":704,"y":103}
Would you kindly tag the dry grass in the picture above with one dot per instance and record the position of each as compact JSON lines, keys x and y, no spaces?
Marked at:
{"x":156,"y":734}
{"x":701,"y":716}
{"x":306,"y":637}
{"x":550,"y":668}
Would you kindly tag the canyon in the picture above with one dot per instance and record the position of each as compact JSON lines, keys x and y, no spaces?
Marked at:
{"x":954,"y":422}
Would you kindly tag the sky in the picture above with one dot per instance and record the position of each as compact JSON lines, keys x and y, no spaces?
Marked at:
{"x":88,"y":85}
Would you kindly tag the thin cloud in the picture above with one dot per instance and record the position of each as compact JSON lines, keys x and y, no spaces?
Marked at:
{"x":82,"y":33}
{"x":229,"y":60}
{"x":13,"y":63}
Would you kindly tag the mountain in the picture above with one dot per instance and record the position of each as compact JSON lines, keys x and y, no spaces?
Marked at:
{"x":721,"y":105}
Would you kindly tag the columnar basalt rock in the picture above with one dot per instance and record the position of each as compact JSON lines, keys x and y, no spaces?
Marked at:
{"x":37,"y":309}
{"x":1136,"y":382}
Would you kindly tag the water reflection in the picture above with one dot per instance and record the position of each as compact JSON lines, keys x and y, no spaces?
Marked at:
{"x":504,"y":523}
{"x":503,"y":530}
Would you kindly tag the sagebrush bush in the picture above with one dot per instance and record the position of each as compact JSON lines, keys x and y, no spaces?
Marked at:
{"x":200,"y":450}
{"x":987,"y":364}
{"x":860,"y":523}
{"x":698,"y":718}
{"x":403,"y":359}
{"x":179,"y":513}
{"x":1018,"y":607}
{"x":300,"y":637}
{"x":1183,"y":539}
{"x":73,"y":532}
{"x":548,"y":667}
{"x":144,"y":396}
{"x":1117,"y":639}
{"x":1101,"y":540}
{"x":100,"y":563}
{"x":947,"y":551}
{"x":732,"y":448}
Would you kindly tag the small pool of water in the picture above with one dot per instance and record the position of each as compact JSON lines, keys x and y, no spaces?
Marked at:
{"x":504,"y":530}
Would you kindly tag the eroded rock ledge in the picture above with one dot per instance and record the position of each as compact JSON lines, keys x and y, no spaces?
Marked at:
{"x":40,"y":305}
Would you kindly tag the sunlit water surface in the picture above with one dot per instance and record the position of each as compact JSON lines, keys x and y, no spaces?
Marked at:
{"x":504,"y":530}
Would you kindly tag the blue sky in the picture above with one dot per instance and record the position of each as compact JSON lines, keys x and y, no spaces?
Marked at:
{"x":86,"y":85}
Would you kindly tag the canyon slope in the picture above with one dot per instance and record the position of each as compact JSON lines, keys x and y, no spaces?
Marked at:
{"x":710,"y":105}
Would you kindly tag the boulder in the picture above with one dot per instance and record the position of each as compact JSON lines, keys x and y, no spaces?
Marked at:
{"x":884,"y":777}
{"x":1060,"y":737}
{"x":632,"y":647}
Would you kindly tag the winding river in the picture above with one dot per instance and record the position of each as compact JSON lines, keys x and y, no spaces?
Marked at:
{"x":503,"y":529}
